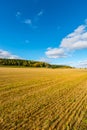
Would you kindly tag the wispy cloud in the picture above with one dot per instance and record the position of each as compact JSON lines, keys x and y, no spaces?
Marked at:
{"x":79,"y":64}
{"x":82,"y":64}
{"x":40,"y":13}
{"x":37,"y":18}
{"x":18,"y":14}
{"x":74,"y":41}
{"x":28,"y":21}
{"x":43,"y":59}
{"x":6,"y":54}
{"x":31,"y":22}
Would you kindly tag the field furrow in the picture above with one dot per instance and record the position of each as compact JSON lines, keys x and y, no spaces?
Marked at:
{"x":42,"y":99}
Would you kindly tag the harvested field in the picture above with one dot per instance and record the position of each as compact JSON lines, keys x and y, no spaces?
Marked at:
{"x":43,"y":99}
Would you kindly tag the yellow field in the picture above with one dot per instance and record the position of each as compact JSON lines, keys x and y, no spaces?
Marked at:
{"x":43,"y":99}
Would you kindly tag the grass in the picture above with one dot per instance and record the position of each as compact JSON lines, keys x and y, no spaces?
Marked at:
{"x":43,"y":99}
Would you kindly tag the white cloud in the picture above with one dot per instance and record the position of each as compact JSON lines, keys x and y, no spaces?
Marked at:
{"x":28,"y":21}
{"x":55,"y":53}
{"x":6,"y":54}
{"x":72,"y":42}
{"x":76,"y":40}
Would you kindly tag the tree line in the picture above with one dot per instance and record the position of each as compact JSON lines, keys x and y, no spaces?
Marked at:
{"x":28,"y":63}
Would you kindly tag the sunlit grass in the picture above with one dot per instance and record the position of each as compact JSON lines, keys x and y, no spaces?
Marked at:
{"x":42,"y":99}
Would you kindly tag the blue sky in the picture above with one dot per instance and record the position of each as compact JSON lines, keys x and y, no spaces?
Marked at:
{"x":54,"y":31}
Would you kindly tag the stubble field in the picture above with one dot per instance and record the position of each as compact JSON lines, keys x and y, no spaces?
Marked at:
{"x":43,"y":99}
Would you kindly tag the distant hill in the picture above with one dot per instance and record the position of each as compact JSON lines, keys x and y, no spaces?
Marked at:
{"x":29,"y":63}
